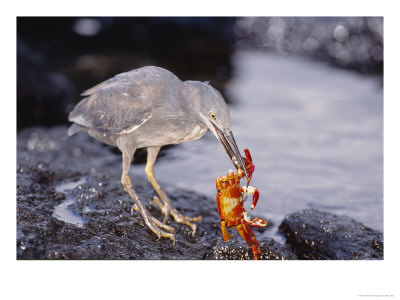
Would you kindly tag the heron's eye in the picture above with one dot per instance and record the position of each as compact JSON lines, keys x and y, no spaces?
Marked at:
{"x":212,"y":115}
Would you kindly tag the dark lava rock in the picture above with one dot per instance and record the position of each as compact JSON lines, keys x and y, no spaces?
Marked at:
{"x":71,"y":205}
{"x":236,"y":248}
{"x":313,"y":234}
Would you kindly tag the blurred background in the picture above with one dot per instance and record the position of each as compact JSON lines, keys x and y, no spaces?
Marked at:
{"x":305,"y":93}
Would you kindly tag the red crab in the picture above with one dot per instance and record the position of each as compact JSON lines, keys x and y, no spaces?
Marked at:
{"x":230,"y":205}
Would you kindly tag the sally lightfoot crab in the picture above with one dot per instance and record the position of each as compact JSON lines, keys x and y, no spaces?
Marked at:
{"x":230,"y":202}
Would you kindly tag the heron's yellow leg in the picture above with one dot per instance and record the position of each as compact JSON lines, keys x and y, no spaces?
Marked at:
{"x":155,"y":225}
{"x":165,"y":206}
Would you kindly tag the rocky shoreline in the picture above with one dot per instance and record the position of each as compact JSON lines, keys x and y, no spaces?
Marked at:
{"x":71,"y":205}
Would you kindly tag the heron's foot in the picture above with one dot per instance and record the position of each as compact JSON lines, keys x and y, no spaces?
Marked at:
{"x":167,"y":209}
{"x":155,"y":225}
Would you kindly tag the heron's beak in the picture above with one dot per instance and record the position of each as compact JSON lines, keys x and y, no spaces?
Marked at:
{"x":227,"y":140}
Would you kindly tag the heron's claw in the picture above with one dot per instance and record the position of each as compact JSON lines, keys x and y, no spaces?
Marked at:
{"x":167,"y":209}
{"x":155,"y":225}
{"x":134,"y":208}
{"x":164,"y":209}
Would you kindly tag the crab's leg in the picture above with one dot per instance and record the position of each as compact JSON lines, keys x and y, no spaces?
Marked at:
{"x":218,"y":184}
{"x":250,"y":238}
{"x":248,"y":156}
{"x":257,"y":222}
{"x":248,"y":161}
{"x":225,"y":233}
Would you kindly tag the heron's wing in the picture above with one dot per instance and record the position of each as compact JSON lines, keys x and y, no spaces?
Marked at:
{"x":123,"y":103}
{"x":113,"y":107}
{"x":141,"y":76}
{"x":123,"y":77}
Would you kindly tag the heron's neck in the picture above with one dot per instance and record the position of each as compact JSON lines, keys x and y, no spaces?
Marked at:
{"x":191,"y":96}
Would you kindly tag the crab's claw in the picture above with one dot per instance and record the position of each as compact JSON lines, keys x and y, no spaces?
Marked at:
{"x":252,"y":191}
{"x":256,"y":195}
{"x":248,"y":163}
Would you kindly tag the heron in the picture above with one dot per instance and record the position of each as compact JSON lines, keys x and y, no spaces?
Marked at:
{"x":150,"y":107}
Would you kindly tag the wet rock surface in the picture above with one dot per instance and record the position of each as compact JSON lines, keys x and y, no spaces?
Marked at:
{"x":236,"y":248}
{"x":71,"y":205}
{"x":313,"y":234}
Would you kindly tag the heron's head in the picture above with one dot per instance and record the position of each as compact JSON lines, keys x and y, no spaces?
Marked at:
{"x":214,"y":113}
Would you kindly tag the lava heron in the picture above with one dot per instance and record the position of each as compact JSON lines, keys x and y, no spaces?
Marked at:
{"x":148,"y":108}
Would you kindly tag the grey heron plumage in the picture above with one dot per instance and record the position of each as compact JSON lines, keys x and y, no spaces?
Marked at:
{"x":148,"y":108}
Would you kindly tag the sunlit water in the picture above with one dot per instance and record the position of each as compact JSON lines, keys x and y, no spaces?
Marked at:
{"x":315,"y":134}
{"x":63,"y":211}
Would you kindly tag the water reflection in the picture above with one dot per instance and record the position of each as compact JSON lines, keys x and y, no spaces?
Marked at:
{"x":349,"y":42}
{"x":315,"y":134}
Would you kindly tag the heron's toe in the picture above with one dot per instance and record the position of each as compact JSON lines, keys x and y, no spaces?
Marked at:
{"x":134,"y":208}
{"x":156,"y":228}
{"x":185,"y":220}
{"x":164,"y":209}
{"x":163,"y":226}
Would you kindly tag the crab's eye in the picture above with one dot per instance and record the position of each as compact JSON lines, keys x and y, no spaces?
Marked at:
{"x":212,"y":115}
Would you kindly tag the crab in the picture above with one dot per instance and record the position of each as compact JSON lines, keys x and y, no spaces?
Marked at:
{"x":230,"y":200}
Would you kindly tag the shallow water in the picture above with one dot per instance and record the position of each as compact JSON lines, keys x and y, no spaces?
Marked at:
{"x":63,"y":211}
{"x":315,"y":134}
{"x":69,"y":185}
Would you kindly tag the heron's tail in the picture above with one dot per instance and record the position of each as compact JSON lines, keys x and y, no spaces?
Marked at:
{"x":74,"y":128}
